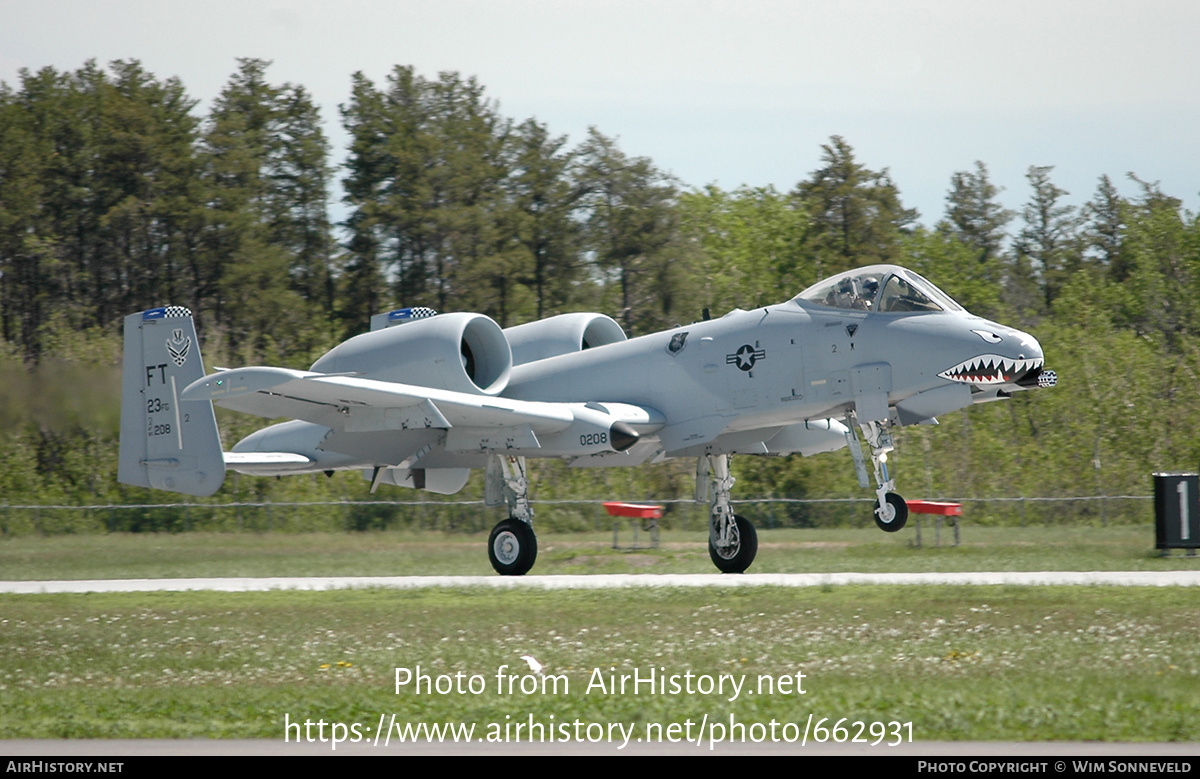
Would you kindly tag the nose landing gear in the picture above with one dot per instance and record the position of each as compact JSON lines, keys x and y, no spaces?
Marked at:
{"x":732,"y":540}
{"x":891,"y":512}
{"x":512,"y":545}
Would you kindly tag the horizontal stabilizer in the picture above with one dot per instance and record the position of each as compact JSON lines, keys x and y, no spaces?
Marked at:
{"x":266,"y":463}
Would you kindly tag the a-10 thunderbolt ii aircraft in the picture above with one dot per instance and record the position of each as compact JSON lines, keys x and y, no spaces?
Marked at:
{"x":421,"y":403}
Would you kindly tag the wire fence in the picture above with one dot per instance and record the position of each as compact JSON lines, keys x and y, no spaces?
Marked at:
{"x":470,"y":516}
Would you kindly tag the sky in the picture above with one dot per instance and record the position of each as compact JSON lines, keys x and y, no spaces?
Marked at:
{"x":716,"y":92}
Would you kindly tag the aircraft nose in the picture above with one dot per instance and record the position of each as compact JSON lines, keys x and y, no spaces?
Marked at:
{"x":1026,"y":341}
{"x":1005,"y":357}
{"x":1012,"y":343}
{"x":1030,"y":349}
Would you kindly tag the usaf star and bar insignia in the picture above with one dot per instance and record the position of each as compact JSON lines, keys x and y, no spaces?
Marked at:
{"x":746,"y":357}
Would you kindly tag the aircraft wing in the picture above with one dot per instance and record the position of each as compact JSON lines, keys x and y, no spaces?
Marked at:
{"x":349,"y":404}
{"x":318,"y":397}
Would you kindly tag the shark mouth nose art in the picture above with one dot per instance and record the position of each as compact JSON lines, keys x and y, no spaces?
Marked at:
{"x":991,"y":369}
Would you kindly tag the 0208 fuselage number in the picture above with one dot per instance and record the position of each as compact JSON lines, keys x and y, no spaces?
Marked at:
{"x":591,"y":439}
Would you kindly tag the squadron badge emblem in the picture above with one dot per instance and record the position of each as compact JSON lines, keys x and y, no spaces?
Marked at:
{"x":178,"y":347}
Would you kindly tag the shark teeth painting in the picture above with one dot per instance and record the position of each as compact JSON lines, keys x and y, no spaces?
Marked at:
{"x":990,"y":369}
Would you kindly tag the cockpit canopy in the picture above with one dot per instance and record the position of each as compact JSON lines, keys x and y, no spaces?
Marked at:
{"x":880,"y":288}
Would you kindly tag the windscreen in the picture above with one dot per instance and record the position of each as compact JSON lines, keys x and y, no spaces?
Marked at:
{"x":886,"y":289}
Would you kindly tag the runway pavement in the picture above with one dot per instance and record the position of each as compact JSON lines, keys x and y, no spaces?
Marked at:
{"x":612,"y":581}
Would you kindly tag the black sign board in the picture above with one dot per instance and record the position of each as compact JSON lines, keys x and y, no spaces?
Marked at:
{"x":1177,"y":510}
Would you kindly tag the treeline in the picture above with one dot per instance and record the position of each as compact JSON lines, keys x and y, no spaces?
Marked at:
{"x":115,"y":196}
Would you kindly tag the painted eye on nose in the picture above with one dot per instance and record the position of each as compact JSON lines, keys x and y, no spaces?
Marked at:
{"x":988,"y":336}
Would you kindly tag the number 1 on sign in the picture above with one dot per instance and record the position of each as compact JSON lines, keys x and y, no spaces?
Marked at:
{"x":1182,"y":489}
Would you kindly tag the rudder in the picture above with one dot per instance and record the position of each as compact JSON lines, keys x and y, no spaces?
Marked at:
{"x":166,"y":443}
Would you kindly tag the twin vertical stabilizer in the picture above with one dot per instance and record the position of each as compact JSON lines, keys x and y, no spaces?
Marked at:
{"x":166,"y":443}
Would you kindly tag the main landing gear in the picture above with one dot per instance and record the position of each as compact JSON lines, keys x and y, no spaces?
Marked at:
{"x":512,"y":545}
{"x":732,"y":540}
{"x":891,"y":512}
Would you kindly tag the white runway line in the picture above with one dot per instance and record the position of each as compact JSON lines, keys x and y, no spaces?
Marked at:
{"x":613,"y":581}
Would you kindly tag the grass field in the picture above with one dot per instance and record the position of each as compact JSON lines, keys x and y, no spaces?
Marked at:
{"x":394,"y":553}
{"x":1025,"y":663}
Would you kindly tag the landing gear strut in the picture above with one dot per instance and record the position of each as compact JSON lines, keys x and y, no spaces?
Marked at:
{"x":512,"y":545}
{"x":891,"y":512}
{"x":732,"y":540}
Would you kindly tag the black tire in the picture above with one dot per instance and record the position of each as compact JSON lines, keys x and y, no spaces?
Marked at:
{"x":739,"y":559}
{"x":512,"y":547}
{"x":900,"y":515}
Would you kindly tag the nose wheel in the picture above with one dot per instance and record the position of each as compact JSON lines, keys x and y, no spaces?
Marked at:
{"x":733,"y":550}
{"x":732,"y":540}
{"x":512,"y":547}
{"x":892,"y":515}
{"x":891,"y":512}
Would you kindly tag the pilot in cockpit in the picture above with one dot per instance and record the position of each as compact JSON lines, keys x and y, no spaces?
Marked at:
{"x":870,"y":286}
{"x":854,"y":293}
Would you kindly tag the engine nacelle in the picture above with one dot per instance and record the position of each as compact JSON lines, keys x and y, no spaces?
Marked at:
{"x":460,"y":352}
{"x":562,"y":334}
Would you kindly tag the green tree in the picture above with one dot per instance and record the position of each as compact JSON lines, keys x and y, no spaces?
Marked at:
{"x":749,"y":246}
{"x":856,"y":214}
{"x":631,"y":226}
{"x":152,"y":211}
{"x":368,"y":170}
{"x":1161,"y":244}
{"x":424,"y":184}
{"x":267,"y":242}
{"x":1104,"y":231}
{"x":98,"y":206}
{"x":298,"y":173}
{"x":27,"y":257}
{"x":953,"y":265}
{"x":973,"y":215}
{"x":544,"y":204}
{"x":1047,"y":247}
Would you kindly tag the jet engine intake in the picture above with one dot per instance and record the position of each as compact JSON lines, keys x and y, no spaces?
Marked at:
{"x":562,"y":334}
{"x":460,"y":352}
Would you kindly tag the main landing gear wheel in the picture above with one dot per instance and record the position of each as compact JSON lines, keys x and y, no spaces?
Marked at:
{"x":512,"y":547}
{"x":894,"y":515}
{"x":737,"y":557}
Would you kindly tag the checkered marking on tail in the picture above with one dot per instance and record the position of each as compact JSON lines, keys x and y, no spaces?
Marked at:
{"x":167,"y":312}
{"x":408,"y":314}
